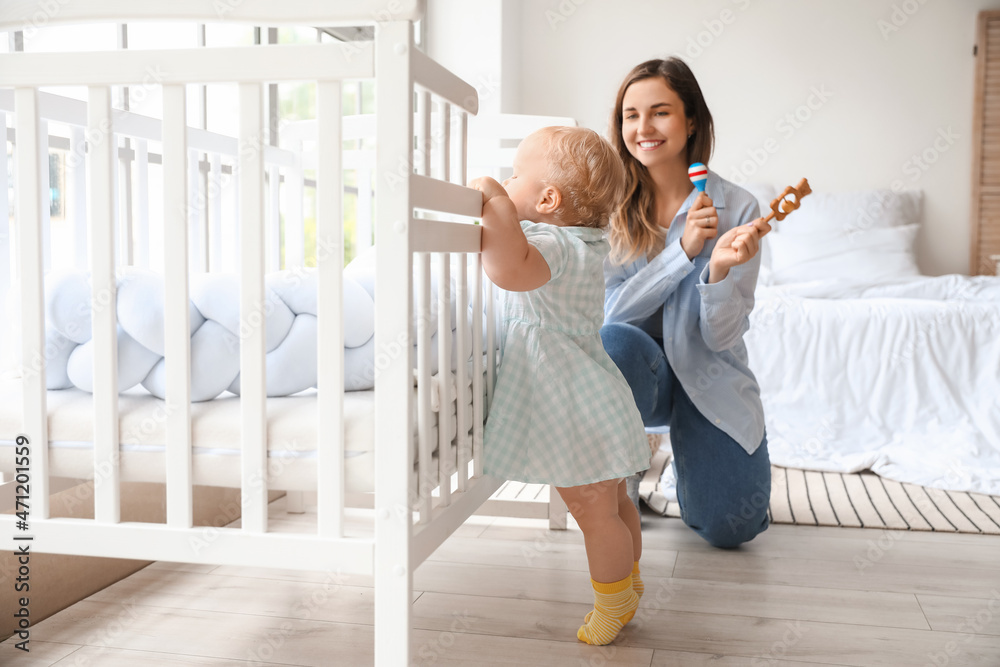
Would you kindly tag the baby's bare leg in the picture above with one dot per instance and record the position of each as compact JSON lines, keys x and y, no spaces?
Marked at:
{"x":609,"y":554}
{"x":630,"y":516}
{"x":606,"y":536}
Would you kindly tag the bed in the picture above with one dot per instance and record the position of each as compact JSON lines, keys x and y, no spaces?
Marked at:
{"x":863,"y":362}
{"x":405,"y":452}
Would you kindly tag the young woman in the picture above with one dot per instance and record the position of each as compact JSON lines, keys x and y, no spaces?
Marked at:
{"x":679,"y":290}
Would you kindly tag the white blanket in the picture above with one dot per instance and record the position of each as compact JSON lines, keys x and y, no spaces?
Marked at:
{"x":902,"y":378}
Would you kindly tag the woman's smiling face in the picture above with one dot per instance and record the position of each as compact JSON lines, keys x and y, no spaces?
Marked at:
{"x":654,"y":125}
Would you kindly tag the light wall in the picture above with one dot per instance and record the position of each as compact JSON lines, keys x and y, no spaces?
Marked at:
{"x":469,"y":39}
{"x":888,"y":81}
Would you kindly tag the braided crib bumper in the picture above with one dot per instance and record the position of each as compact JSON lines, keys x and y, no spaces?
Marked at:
{"x":288,"y":315}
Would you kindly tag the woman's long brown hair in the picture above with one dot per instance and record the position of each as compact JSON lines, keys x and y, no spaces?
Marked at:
{"x":634,"y":231}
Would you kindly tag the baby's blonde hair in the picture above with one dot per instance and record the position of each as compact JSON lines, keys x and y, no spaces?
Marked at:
{"x":587,"y":171}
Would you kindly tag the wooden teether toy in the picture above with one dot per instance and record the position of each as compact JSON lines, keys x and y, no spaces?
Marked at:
{"x":781,"y":206}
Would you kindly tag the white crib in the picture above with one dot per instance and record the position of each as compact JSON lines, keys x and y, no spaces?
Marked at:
{"x":422,"y":492}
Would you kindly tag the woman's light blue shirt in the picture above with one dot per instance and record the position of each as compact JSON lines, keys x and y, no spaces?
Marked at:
{"x":702,"y":325}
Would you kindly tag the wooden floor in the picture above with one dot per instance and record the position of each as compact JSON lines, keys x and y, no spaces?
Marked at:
{"x":511,"y":592}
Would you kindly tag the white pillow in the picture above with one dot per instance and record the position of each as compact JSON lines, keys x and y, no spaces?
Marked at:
{"x":854,"y":211}
{"x":867,"y":256}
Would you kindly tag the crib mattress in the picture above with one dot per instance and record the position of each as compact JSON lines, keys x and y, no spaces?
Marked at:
{"x":215,"y":431}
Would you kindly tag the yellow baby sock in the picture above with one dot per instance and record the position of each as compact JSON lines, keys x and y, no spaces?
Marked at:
{"x":614,"y":606}
{"x":637,"y":585}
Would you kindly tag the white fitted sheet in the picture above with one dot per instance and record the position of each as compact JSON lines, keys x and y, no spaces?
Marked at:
{"x":215,"y":424}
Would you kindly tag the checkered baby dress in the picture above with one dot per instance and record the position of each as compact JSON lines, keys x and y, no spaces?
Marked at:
{"x":562,"y":412}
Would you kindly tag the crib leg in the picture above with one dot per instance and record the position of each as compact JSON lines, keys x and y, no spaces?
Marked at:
{"x":557,"y":510}
{"x":295,"y":502}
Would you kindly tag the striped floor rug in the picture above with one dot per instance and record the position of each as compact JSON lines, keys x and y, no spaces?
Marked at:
{"x":862,"y":500}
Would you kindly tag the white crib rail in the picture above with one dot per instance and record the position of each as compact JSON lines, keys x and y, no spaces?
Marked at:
{"x":13,"y":13}
{"x":330,"y":234}
{"x":7,"y":260}
{"x":129,"y":68}
{"x":406,"y":237}
{"x":239,"y":64}
{"x":421,"y":220}
{"x":104,"y":304}
{"x":177,"y":344}
{"x":29,"y":206}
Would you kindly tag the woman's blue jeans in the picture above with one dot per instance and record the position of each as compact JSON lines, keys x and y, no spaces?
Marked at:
{"x":723,"y":492}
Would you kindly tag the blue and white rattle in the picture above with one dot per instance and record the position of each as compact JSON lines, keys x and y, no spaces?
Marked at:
{"x":698,"y":173}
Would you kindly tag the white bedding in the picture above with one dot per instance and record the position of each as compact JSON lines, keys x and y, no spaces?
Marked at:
{"x":900,"y":377}
{"x":291,"y":433}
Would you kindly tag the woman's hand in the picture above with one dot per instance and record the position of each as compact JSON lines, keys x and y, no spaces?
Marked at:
{"x":737,"y":246}
{"x":490,"y":187}
{"x":701,"y":225}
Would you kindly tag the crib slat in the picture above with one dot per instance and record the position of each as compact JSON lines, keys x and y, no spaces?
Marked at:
{"x":177,"y":333}
{"x":77,"y":184}
{"x":393,"y":321}
{"x":444,"y":131}
{"x":123,"y":195}
{"x":101,"y":154}
{"x":232,"y":260}
{"x":425,"y":483}
{"x":491,"y":354}
{"x":252,"y":346}
{"x":195,"y":208}
{"x":463,"y":150}
{"x":294,"y":190}
{"x":330,"y":303}
{"x":7,"y":262}
{"x":424,"y":112}
{"x":141,"y":222}
{"x":430,"y":235}
{"x":43,"y":165}
{"x":435,"y":195}
{"x":477,"y":365}
{"x":28,"y":152}
{"x":115,"y":213}
{"x":363,"y":218}
{"x":214,"y":195}
{"x":461,"y":372}
{"x":273,"y":246}
{"x":446,"y":454}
